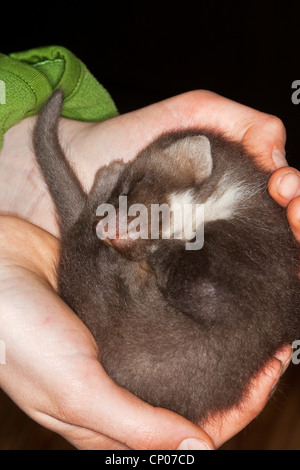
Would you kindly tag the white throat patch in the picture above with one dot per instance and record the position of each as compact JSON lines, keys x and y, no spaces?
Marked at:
{"x":222,"y":204}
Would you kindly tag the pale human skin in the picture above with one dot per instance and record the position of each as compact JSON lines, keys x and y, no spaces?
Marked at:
{"x":51,"y":371}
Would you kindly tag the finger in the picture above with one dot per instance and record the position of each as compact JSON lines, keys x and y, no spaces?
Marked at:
{"x":85,"y":439}
{"x":228,"y":424}
{"x":124,"y":418}
{"x":81,"y":438}
{"x":293,"y":215}
{"x":262,"y":134}
{"x":265,"y":137}
{"x":145,"y":427}
{"x":94,"y":441}
{"x":284,"y":185}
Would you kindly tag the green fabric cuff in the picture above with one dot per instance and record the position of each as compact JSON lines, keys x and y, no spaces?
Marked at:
{"x":28,"y":78}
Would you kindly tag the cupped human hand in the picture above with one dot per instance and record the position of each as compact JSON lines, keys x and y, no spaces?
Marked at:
{"x":53,"y":374}
{"x":52,"y":371}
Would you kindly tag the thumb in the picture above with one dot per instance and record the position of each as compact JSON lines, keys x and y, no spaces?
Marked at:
{"x":113,"y":418}
{"x":266,"y":138}
{"x":284,"y":187}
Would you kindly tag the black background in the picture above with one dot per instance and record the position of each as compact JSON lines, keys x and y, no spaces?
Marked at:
{"x":246,"y":51}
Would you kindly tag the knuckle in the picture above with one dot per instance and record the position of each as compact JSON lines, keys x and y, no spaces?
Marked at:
{"x":276,"y":124}
{"x":199,"y":95}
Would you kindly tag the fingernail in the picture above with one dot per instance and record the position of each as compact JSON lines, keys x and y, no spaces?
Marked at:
{"x":279,"y":158}
{"x":285,"y":365}
{"x":273,"y":389}
{"x":288,"y":184}
{"x":193,"y":444}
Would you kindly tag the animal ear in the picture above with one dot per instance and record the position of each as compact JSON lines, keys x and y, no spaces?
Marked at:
{"x":192,"y":153}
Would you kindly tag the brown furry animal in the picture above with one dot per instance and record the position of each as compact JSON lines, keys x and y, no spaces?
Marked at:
{"x":182,"y":329}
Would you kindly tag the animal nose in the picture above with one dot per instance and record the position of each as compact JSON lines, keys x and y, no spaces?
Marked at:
{"x":113,"y":233}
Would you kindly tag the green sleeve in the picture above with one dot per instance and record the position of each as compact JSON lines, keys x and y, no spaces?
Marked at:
{"x":28,"y":78}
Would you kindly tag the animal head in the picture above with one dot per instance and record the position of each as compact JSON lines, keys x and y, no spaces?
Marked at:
{"x":154,"y":196}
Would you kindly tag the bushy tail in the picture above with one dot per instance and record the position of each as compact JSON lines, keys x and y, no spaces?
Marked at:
{"x":65,"y":189}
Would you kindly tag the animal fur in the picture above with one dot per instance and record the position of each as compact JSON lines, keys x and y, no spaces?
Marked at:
{"x":191,"y":331}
